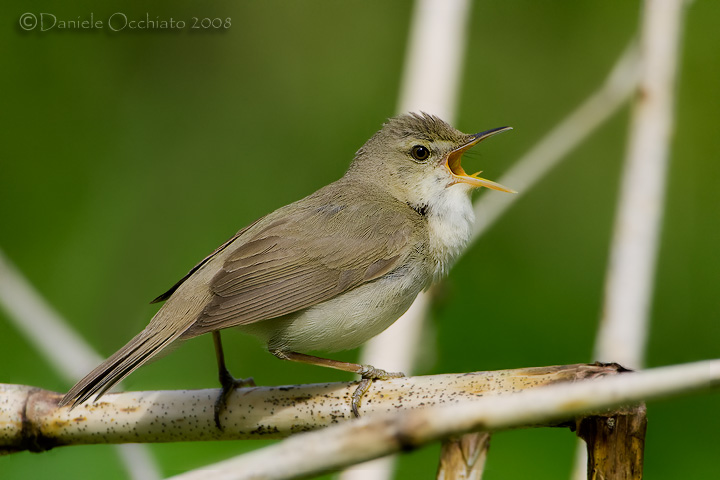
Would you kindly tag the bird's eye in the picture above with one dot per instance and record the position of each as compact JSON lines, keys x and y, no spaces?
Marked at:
{"x":420,"y":153}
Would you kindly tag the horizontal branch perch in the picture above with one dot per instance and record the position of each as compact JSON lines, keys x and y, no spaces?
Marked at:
{"x":30,"y":419}
{"x":378,"y":435}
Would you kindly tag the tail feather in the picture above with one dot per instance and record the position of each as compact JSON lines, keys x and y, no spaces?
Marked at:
{"x":144,"y":346}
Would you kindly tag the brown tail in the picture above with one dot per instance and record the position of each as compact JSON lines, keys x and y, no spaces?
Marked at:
{"x":137,"y":352}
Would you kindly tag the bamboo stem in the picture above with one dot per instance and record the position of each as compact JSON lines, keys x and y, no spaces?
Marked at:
{"x":463,"y":458}
{"x":615,"y":443}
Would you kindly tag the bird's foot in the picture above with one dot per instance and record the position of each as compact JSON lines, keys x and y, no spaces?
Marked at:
{"x":369,"y":373}
{"x":229,"y":384}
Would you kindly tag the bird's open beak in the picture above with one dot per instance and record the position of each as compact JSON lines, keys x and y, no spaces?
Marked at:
{"x":453,"y":163}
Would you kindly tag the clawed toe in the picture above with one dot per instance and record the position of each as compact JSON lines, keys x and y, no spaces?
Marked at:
{"x":368,"y":374}
{"x":229,"y":384}
{"x":372,"y":373}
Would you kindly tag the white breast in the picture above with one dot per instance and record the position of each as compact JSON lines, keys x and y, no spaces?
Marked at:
{"x":450,"y":222}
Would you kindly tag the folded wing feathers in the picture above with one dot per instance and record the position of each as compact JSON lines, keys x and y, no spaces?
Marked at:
{"x":283,"y":269}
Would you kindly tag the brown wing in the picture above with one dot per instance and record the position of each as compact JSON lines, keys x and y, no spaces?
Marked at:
{"x":304,"y":259}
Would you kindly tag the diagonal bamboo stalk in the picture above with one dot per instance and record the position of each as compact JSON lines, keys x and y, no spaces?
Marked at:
{"x":575,"y":128}
{"x":62,"y":347}
{"x":49,"y":333}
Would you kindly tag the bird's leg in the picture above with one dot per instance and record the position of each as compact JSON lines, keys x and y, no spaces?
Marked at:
{"x":227,"y":381}
{"x":367,"y":372}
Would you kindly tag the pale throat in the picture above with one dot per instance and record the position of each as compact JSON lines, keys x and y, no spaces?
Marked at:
{"x":450,"y":219}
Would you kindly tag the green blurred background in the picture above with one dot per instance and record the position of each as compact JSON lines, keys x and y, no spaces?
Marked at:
{"x":127,"y":157}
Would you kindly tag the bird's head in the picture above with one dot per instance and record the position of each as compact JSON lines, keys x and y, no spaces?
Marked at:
{"x":417,"y":158}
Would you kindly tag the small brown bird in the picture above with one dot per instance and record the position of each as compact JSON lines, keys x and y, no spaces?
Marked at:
{"x":330,"y":271}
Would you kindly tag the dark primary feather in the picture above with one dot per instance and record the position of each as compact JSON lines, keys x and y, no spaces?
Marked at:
{"x":135,"y":353}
